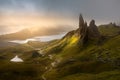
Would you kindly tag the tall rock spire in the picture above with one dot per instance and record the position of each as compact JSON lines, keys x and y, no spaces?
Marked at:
{"x":84,"y":34}
{"x":82,"y":30}
{"x":81,"y":21}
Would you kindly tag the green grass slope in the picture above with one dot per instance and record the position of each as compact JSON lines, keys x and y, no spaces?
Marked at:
{"x":89,"y":62}
{"x":109,"y":29}
{"x":31,"y":69}
{"x":65,"y":59}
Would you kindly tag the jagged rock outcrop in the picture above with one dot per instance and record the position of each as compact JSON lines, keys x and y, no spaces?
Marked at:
{"x":81,"y":21}
{"x":87,"y":32}
{"x":82,"y":29}
{"x":84,"y":32}
{"x":93,"y":32}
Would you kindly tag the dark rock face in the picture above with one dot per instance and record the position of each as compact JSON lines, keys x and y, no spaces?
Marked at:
{"x":82,"y":30}
{"x":83,"y":33}
{"x":93,"y":30}
{"x":81,"y":21}
{"x":87,"y":33}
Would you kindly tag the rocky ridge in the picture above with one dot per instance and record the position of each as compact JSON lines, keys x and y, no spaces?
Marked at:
{"x":88,"y":32}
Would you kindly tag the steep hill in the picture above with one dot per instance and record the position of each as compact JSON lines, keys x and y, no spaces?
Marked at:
{"x":85,"y":54}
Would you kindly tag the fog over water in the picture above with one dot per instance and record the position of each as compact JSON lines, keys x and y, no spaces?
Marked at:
{"x":40,"y":38}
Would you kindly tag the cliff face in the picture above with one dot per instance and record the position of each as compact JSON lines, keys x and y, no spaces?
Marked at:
{"x":82,"y":29}
{"x":93,"y":30}
{"x":87,"y":32}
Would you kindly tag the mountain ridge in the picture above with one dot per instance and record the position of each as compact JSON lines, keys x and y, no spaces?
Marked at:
{"x":33,"y":32}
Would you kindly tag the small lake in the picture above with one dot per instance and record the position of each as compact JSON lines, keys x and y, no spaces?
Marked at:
{"x":40,"y":38}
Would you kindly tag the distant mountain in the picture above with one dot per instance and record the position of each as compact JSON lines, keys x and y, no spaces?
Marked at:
{"x":6,"y":44}
{"x":32,"y":32}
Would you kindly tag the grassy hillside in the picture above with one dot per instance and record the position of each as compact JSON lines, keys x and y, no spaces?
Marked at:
{"x":111,"y":75}
{"x":65,"y":59}
{"x":31,"y":69}
{"x":90,"y":62}
{"x":109,"y":29}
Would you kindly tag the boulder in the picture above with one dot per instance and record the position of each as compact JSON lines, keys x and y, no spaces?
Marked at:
{"x":35,"y":54}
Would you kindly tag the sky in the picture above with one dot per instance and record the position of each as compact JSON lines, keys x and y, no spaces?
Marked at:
{"x":19,"y":14}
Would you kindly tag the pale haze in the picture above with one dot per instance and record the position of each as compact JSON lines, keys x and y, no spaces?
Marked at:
{"x":19,"y":14}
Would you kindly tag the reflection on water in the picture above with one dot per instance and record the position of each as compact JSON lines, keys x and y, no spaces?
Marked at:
{"x":39,"y":38}
{"x":16,"y":59}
